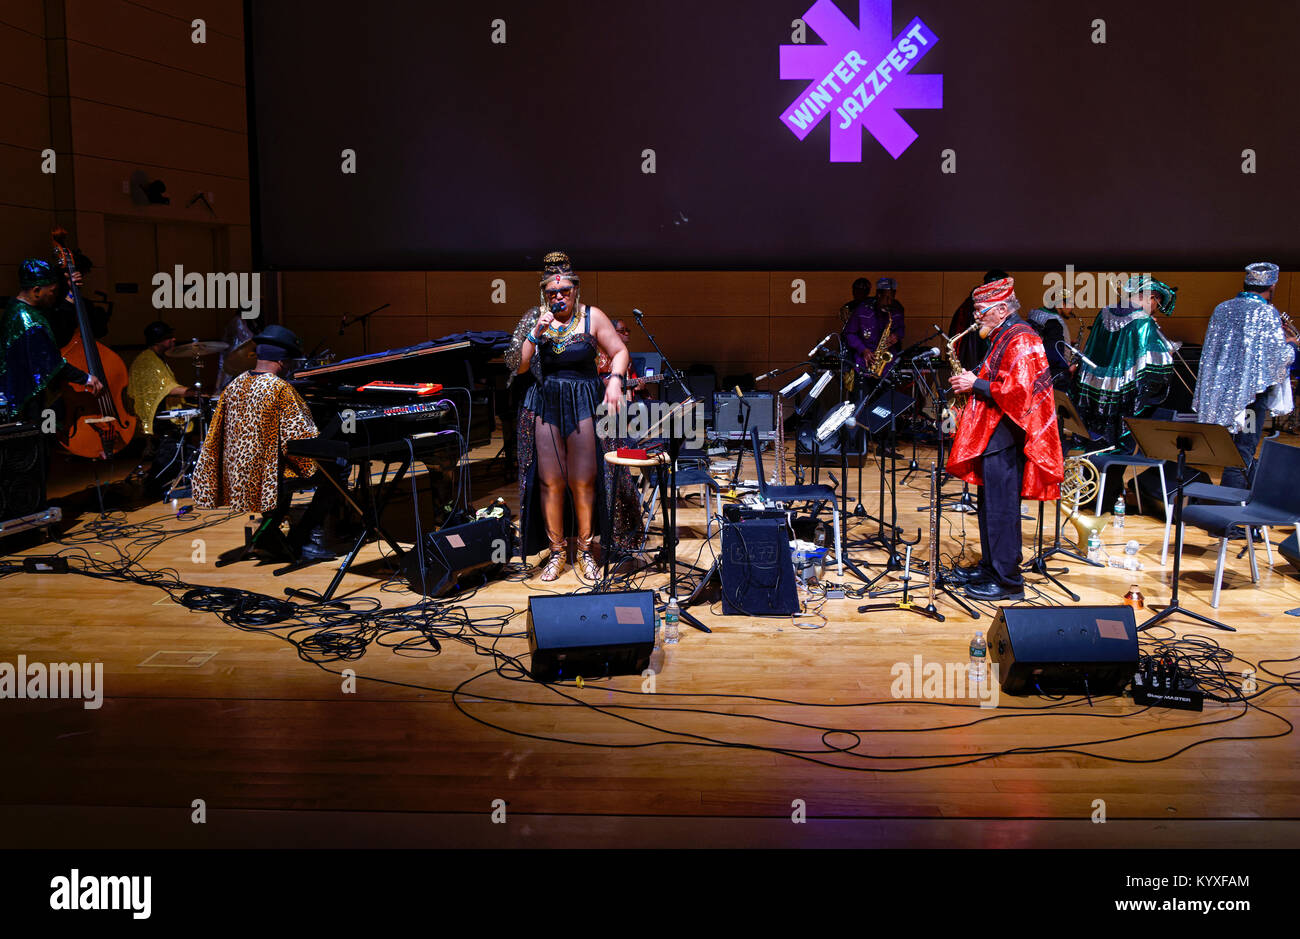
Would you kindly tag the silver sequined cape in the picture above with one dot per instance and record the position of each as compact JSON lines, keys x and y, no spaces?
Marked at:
{"x":1245,"y":353}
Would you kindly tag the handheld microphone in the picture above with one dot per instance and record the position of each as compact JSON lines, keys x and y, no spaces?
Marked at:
{"x":766,"y":375}
{"x":931,"y":353}
{"x":557,"y":306}
{"x":638,"y":314}
{"x":818,"y":348}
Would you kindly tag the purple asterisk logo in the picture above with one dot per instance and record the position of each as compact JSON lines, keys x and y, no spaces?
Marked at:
{"x":861,"y":78}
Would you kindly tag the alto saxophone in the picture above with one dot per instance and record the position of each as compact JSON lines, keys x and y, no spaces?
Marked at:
{"x":958,"y":402}
{"x":881,"y":358}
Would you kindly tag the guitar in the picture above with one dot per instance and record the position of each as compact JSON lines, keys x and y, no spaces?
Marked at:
{"x":99,"y":425}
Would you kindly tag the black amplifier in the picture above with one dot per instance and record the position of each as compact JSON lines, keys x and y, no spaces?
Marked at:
{"x":737,"y":512}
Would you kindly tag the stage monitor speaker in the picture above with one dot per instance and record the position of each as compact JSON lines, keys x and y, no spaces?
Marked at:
{"x":22,"y":471}
{"x":757,"y":570}
{"x":1289,"y":548}
{"x":1064,"y":649}
{"x":591,"y":635}
{"x":454,"y":554}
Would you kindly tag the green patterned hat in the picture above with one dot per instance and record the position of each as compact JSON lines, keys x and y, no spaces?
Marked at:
{"x":1145,"y":283}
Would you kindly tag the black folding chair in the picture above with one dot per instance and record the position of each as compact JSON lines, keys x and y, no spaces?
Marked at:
{"x":817,"y":492}
{"x":1274,"y":499}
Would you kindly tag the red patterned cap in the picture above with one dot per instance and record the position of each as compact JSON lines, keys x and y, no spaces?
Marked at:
{"x":999,"y":291}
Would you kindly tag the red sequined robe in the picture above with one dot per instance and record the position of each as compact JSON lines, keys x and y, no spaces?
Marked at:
{"x":1021,"y":387}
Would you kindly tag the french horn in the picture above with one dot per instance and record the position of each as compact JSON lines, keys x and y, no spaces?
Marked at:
{"x":1078,"y":488}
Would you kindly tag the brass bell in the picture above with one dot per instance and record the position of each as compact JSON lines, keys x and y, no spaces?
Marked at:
{"x":1079,"y":487}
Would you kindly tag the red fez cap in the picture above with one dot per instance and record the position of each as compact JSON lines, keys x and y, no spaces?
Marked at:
{"x":999,"y":291}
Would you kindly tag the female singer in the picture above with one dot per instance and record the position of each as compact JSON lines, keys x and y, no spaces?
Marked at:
{"x":562,"y":440}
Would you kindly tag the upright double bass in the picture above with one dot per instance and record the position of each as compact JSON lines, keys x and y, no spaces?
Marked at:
{"x":98,"y":425}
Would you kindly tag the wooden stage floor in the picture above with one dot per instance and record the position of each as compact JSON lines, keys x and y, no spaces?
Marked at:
{"x":730,"y":749}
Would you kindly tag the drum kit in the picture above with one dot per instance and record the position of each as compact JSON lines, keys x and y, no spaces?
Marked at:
{"x":193,"y":417}
{"x":191,"y":420}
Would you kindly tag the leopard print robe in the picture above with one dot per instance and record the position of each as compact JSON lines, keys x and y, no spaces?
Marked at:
{"x":256,"y":416}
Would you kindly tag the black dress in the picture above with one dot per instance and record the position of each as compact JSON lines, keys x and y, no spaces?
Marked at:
{"x":567,"y":391}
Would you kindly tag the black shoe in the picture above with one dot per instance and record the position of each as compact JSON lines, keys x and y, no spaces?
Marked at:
{"x":966,"y":575}
{"x":992,"y":590}
{"x":315,"y":552}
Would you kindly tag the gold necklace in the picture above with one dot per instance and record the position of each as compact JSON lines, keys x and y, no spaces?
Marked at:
{"x":561,"y":336}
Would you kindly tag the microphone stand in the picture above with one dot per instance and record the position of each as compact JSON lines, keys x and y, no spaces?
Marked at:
{"x":743,"y":406}
{"x":675,"y":444}
{"x":364,"y":320}
{"x":941,"y":582}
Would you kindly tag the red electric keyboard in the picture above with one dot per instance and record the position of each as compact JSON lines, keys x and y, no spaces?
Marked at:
{"x":420,"y":389}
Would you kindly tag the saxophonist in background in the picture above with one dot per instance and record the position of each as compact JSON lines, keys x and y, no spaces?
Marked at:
{"x":871,"y":321}
{"x":1007,"y":442}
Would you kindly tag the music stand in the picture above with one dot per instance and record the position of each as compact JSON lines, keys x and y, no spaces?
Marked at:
{"x":882,"y":412}
{"x":1202,"y":445}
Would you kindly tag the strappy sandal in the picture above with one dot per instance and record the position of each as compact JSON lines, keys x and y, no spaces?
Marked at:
{"x":555,"y":566}
{"x":586,"y":563}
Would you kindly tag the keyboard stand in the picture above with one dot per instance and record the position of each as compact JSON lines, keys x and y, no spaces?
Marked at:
{"x":373,"y":531}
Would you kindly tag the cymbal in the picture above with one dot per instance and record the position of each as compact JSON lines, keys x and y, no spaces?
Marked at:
{"x":197,"y":348}
{"x":241,"y":359}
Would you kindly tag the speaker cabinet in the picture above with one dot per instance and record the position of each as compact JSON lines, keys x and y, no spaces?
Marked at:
{"x":591,"y":635}
{"x":1064,"y":649}
{"x":22,"y":471}
{"x":1289,"y":548}
{"x":455,"y":554}
{"x":757,"y":570}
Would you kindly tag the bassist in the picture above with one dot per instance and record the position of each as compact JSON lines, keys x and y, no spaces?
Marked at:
{"x":32,"y":364}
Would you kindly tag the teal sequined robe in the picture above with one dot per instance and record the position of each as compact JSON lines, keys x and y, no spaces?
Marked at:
{"x":1133,"y":369}
{"x":32,"y":359}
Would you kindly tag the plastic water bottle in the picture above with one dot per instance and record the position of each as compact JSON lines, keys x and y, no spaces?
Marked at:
{"x":1094,"y":546}
{"x":1120,"y":508}
{"x":979,"y":653}
{"x":671,"y":613}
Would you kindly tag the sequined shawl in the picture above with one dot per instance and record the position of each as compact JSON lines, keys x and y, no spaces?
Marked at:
{"x":31,"y":359}
{"x":1245,"y":352}
{"x":515,"y":354}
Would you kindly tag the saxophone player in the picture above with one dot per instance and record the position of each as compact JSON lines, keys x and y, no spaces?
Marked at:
{"x":868,"y":319}
{"x":1007,"y":441}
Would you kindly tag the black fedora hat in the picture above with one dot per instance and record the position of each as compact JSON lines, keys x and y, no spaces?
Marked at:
{"x":276,"y":335}
{"x":156,"y":332}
